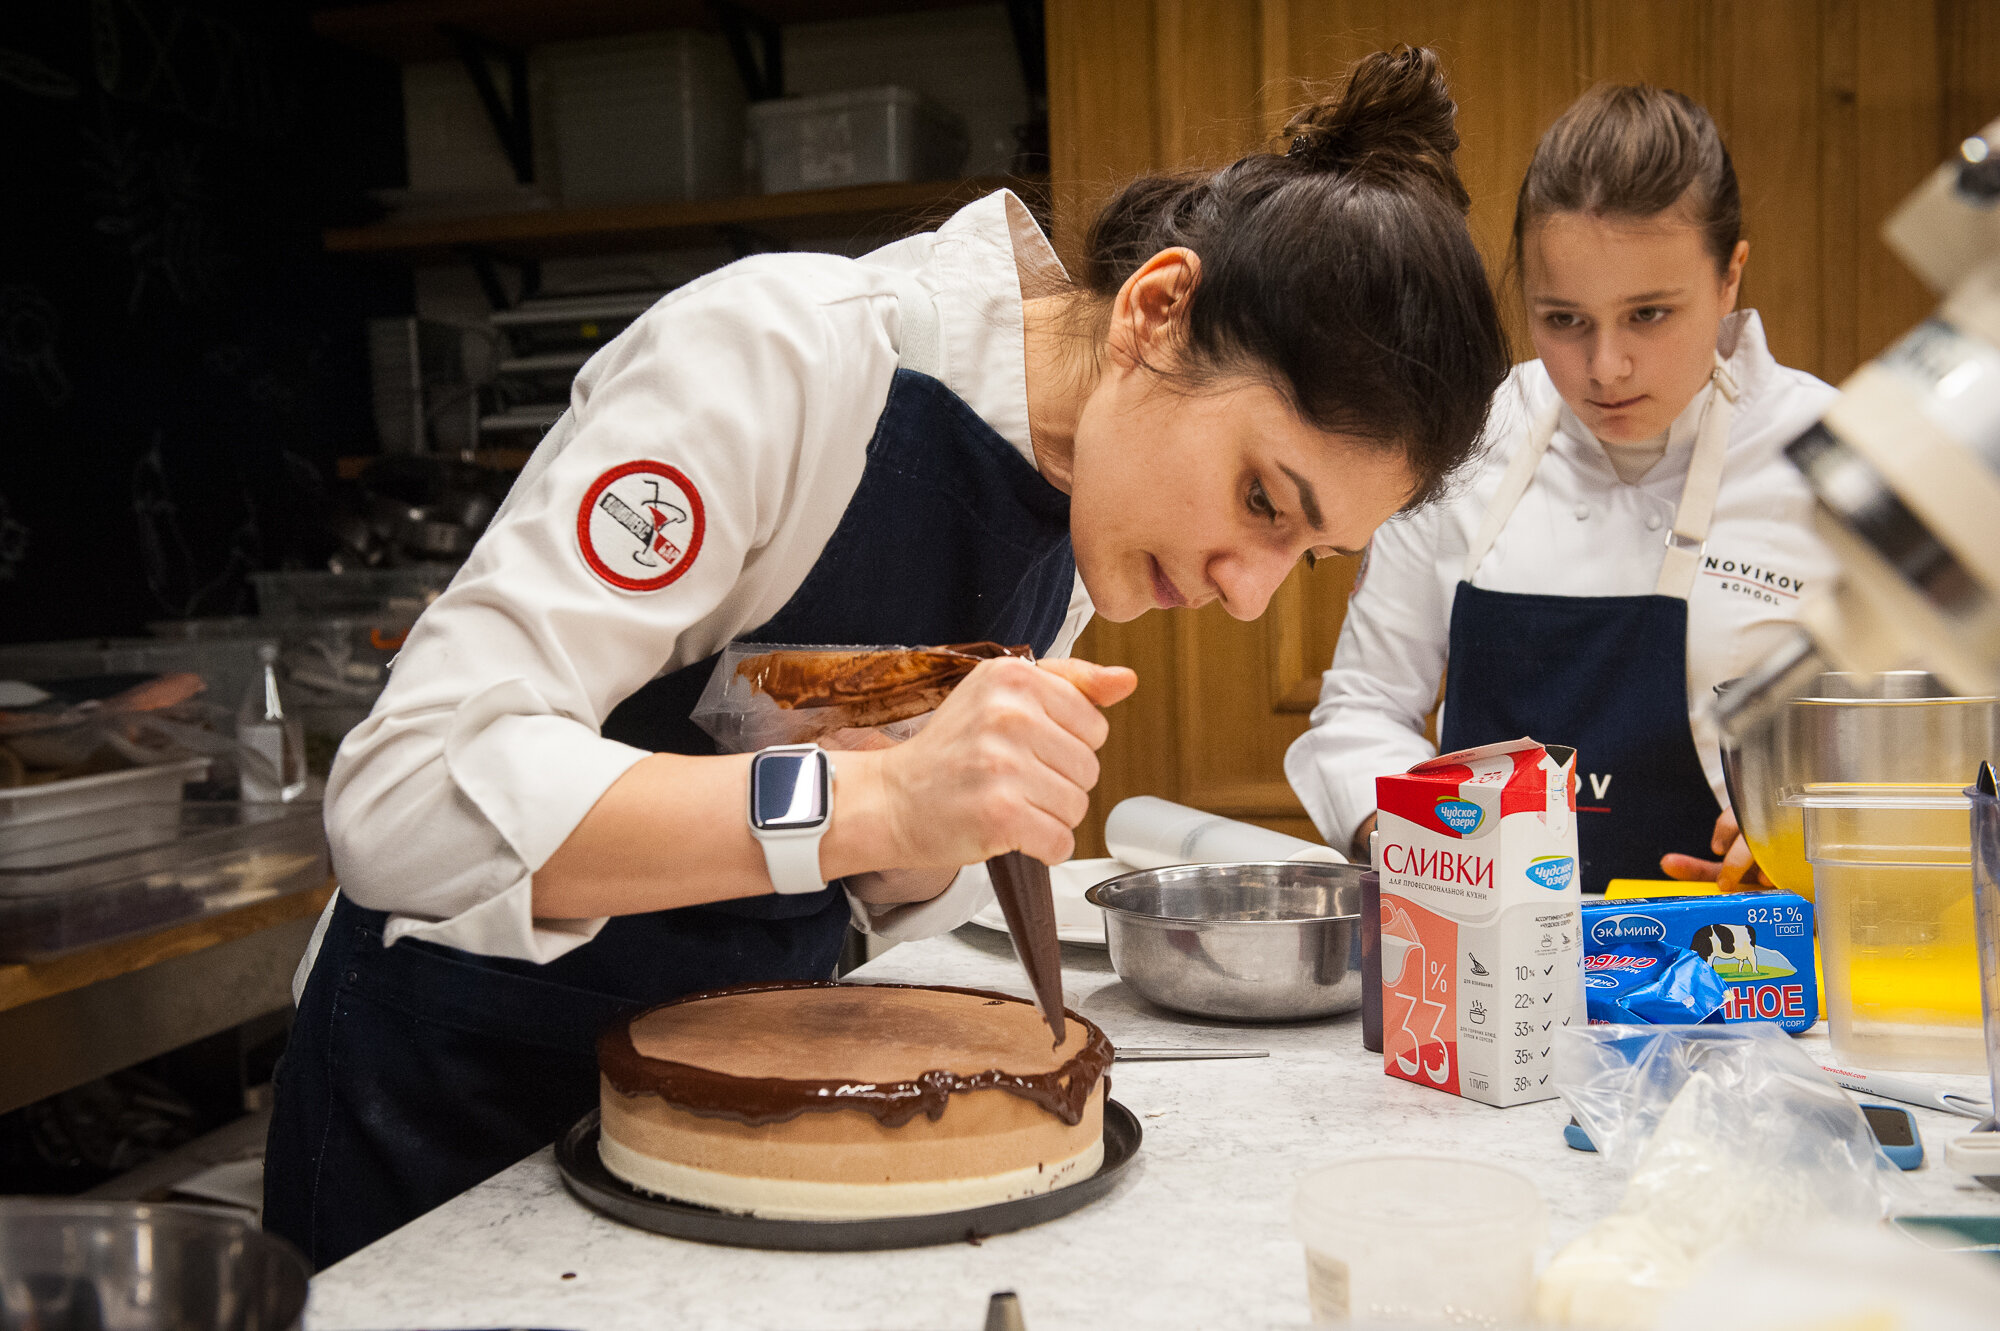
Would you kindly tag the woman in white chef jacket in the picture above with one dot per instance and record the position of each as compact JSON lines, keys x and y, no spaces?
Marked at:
{"x":947,"y":440}
{"x":1633,"y":536}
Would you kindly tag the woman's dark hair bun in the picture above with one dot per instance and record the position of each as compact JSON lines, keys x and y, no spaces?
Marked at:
{"x":1339,"y":269}
{"x":1394,"y":118}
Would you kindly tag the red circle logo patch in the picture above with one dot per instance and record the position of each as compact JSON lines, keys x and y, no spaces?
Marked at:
{"x":640,"y":526}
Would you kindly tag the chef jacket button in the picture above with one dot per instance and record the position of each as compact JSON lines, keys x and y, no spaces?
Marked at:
{"x":1582,"y":512}
{"x":1653,"y":522}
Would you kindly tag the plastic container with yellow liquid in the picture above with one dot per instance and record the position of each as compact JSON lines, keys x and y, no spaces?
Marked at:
{"x":1898,"y":726}
{"x":1892,"y":869}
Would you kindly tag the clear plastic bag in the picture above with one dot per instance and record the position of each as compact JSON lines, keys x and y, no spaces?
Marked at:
{"x":1726,"y":1133}
{"x":783,"y":693}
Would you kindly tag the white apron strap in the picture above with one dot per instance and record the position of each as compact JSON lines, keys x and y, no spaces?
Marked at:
{"x":921,"y":346}
{"x":1520,"y":471}
{"x":1689,"y":535}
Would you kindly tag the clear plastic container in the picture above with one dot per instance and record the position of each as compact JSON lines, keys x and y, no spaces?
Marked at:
{"x":863,"y":137}
{"x":358,"y":594}
{"x":162,"y":866}
{"x":1419,"y":1238}
{"x":1892,"y":869}
{"x":226,"y":665}
{"x":1986,"y":909}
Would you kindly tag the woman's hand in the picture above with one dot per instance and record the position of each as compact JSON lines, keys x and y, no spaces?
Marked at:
{"x":1007,"y":763}
{"x":1737,"y":868}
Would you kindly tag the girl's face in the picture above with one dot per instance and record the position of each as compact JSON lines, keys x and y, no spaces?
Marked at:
{"x":1625,"y":314}
{"x":1187,"y":497}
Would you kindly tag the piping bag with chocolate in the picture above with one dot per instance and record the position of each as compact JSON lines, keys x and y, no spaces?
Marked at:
{"x":1021,"y":884}
{"x":763,"y":694}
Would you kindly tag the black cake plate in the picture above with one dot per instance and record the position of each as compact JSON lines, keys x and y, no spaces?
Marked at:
{"x":598,"y":1188}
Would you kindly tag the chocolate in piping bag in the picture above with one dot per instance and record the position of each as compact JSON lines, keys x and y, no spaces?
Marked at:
{"x":1022,"y":886}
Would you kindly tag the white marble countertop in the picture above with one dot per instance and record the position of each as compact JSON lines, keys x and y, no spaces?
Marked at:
{"x":1197,"y":1234}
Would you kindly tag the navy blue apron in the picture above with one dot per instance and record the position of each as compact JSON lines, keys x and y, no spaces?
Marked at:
{"x":417,"y":1071}
{"x":1606,"y":675}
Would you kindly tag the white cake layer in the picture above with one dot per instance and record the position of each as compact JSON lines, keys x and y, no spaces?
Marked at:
{"x":799,"y":1199}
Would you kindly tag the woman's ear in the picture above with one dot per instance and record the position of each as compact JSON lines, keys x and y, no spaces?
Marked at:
{"x":1149,"y":313}
{"x":1732,"y":276}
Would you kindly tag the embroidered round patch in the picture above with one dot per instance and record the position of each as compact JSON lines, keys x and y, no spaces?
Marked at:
{"x":640,"y":526}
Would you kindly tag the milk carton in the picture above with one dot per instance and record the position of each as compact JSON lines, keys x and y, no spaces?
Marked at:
{"x":1482,"y":942}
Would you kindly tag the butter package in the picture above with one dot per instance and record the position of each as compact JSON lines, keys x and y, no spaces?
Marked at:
{"x":1482,"y":941}
{"x":1644,"y":982}
{"x":1759,"y":944}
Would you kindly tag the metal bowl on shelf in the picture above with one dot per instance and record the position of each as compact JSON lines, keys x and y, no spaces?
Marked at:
{"x":93,"y":1266}
{"x":1241,"y":942}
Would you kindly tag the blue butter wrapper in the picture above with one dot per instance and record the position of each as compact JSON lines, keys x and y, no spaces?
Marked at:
{"x":1758,"y":944}
{"x":1642,"y":981}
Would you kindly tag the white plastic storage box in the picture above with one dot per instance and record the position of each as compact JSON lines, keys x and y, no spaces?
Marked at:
{"x":631,"y":119}
{"x":59,"y":894}
{"x":861,"y":137}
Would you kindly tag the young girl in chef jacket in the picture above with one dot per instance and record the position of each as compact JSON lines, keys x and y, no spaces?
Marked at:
{"x":948,"y":440}
{"x":1634,"y":534}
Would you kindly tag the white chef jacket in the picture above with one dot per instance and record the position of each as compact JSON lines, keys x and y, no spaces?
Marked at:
{"x":1578,"y":531}
{"x":760,"y":383}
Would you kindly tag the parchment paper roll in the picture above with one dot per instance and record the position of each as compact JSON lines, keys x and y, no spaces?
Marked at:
{"x":1147,"y":832}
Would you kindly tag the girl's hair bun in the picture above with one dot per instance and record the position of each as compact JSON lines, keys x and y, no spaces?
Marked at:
{"x":1394,"y":121}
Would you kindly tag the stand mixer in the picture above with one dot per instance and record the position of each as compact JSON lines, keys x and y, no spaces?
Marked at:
{"x":1906,"y":469}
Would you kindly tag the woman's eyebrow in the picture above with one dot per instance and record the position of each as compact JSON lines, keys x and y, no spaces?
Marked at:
{"x":1308,"y":501}
{"x":1639,"y":298}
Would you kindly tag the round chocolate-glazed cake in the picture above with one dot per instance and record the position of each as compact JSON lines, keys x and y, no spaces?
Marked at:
{"x":822,"y":1101}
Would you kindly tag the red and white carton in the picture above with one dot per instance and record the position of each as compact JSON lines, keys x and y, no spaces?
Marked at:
{"x":1482,"y":938}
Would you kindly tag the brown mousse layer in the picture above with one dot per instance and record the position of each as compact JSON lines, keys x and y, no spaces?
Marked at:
{"x":768,"y":1053}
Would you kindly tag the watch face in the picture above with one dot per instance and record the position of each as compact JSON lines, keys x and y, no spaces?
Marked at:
{"x":788,"y":790}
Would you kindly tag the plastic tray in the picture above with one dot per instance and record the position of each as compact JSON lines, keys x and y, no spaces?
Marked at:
{"x":87,"y":806}
{"x":165,"y":865}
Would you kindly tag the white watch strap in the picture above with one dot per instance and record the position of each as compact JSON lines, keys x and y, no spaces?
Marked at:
{"x":793,"y":861}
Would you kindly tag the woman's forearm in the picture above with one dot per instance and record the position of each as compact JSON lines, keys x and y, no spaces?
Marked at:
{"x":674,"y":831}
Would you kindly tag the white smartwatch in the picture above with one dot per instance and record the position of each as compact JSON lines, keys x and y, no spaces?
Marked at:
{"x":791,"y":806}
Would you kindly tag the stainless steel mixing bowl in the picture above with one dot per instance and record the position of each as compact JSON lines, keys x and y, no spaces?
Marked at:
{"x":1243,"y":942}
{"x":122,"y":1266}
{"x":1897,"y":727}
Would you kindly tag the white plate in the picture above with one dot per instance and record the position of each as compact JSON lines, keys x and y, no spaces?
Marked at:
{"x":1077,"y":921}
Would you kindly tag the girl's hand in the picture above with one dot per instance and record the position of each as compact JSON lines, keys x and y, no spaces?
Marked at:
{"x":1737,"y":867}
{"x":1007,"y":763}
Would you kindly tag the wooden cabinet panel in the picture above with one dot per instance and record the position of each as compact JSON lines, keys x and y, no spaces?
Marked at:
{"x":1833,"y":110}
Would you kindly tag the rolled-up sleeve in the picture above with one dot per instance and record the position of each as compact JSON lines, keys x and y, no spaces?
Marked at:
{"x":1382,"y":684}
{"x":484,"y":751}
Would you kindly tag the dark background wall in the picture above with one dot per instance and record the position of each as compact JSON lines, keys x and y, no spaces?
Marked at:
{"x":180,"y":362}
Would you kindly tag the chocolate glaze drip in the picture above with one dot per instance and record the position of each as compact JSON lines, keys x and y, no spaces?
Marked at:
{"x":1063,"y":1091}
{"x":1022,"y":886}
